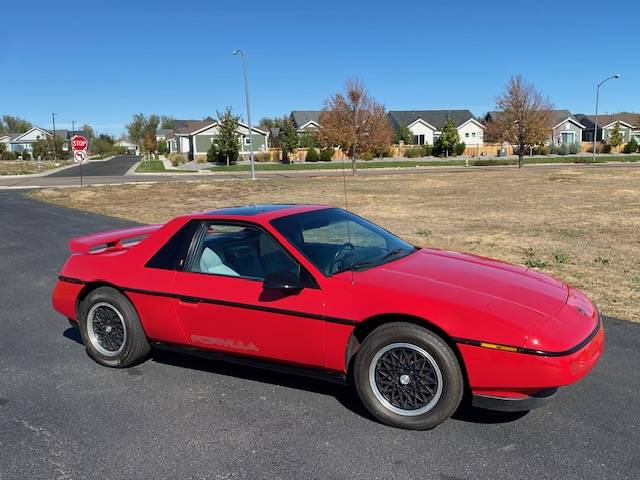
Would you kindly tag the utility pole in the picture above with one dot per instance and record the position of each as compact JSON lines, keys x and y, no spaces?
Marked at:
{"x":246,"y":94}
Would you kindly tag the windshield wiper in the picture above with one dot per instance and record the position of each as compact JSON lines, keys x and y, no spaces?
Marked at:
{"x":393,"y":253}
{"x":354,"y":267}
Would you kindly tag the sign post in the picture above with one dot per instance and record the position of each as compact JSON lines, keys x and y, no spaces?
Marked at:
{"x":79,"y":146}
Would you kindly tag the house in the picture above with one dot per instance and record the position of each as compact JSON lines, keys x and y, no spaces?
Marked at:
{"x":194,"y":138}
{"x":128,"y":146}
{"x":629,"y":126}
{"x":23,"y":142}
{"x":426,"y":125}
{"x":305,"y":120}
{"x":566,"y":129}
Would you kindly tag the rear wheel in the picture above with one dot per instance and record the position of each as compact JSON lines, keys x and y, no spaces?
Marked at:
{"x":408,"y":377}
{"x":111,"y":329}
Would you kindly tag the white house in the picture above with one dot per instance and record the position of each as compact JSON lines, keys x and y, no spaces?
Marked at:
{"x":23,"y":142}
{"x":426,"y":125}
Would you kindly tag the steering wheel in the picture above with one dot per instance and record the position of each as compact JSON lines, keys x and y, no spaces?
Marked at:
{"x":339,"y":252}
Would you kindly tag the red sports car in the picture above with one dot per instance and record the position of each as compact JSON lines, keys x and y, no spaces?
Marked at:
{"x":318,"y":290}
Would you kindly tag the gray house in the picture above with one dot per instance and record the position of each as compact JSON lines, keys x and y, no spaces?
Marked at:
{"x":566,"y":129}
{"x":629,"y":126}
{"x":194,"y":138}
{"x":426,"y":125}
{"x":305,"y":120}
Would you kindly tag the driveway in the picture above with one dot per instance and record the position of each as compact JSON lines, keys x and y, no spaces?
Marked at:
{"x":64,"y":416}
{"x":114,"y":167}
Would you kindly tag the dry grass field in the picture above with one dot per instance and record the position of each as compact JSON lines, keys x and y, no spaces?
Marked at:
{"x":581,"y":225}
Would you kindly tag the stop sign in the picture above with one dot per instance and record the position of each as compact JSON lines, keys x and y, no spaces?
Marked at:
{"x":78,"y":142}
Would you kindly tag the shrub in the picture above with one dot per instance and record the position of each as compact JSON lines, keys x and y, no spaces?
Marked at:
{"x":413,"y":152}
{"x":427,"y":150}
{"x":177,"y":159}
{"x":262,"y":157}
{"x":366,"y":156}
{"x":312,"y":155}
{"x":574,"y":148}
{"x":8,"y":156}
{"x":306,"y":140}
{"x":326,"y":154}
{"x":459,"y":149}
{"x":541,"y":150}
{"x":631,"y":146}
{"x":25,"y":155}
{"x":606,"y":148}
{"x":563,"y":149}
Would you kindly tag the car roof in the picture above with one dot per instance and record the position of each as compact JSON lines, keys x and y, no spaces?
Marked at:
{"x":264,"y":212}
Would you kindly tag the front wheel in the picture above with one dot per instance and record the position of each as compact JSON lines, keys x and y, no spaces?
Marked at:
{"x":408,"y":377}
{"x":111,"y":329}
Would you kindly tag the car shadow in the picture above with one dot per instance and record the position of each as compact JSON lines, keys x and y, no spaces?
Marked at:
{"x":72,"y":333}
{"x":344,"y":394}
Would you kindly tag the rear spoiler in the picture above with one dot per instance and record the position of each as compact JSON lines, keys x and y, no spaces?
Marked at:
{"x":111,"y":239}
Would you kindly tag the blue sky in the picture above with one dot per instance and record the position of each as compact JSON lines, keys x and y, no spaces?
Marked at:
{"x":101,"y":62}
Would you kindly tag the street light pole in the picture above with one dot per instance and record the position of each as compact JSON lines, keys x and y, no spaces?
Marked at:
{"x":595,"y":129}
{"x":55,"y":154}
{"x":246,"y":95}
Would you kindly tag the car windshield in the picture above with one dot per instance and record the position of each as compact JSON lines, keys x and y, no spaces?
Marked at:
{"x":335,"y":240}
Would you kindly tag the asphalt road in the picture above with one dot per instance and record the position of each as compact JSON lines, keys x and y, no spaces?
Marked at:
{"x":63,"y":416}
{"x":114,"y":167}
{"x":112,"y":172}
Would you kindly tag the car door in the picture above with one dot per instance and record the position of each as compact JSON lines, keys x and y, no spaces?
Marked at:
{"x":221,"y":302}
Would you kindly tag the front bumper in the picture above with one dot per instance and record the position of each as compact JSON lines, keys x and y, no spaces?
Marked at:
{"x":510,"y":404}
{"x":514,"y":375}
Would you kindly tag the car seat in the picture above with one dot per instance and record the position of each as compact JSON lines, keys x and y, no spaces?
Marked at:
{"x":210,"y":262}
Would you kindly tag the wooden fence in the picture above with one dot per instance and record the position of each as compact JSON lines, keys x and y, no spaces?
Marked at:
{"x":398,"y":151}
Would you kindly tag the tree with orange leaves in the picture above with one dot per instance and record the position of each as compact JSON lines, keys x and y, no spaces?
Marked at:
{"x":354,"y":121}
{"x":523,"y":118}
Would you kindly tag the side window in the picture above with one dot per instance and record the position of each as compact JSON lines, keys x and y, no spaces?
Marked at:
{"x":174,"y":253}
{"x":240,"y":251}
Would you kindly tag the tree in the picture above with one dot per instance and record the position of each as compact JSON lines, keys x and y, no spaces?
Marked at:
{"x":288,"y":138}
{"x":88,"y":131}
{"x":225,"y":141}
{"x":163,"y":149}
{"x":615,"y":137}
{"x":136,"y":128}
{"x":166,"y":122}
{"x":149,"y":143}
{"x":354,"y":121}
{"x":524,"y":118}
{"x":102,"y":144}
{"x":448,"y":140}
{"x":11,"y":124}
{"x":404,"y":135}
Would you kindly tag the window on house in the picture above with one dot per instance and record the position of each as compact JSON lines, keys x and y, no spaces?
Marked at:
{"x":473,"y":134}
{"x":418,"y":139}
{"x":247,"y":141}
{"x":466,"y":135}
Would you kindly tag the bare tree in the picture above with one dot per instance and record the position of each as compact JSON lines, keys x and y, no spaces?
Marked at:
{"x":523,"y":118}
{"x":354,"y":121}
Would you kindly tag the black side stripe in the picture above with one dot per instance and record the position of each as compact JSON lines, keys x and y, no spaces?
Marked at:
{"x":190,"y":299}
{"x":543,"y":353}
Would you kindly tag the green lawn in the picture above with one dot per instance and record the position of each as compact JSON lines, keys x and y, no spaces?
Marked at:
{"x":156,"y":166}
{"x":424,"y":163}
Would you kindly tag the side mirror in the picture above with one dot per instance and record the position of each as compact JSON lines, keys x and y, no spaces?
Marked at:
{"x":283,"y":280}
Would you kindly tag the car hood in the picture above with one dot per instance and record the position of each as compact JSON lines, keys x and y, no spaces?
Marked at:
{"x":497,"y":280}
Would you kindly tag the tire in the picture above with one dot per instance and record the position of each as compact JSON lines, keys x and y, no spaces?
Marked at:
{"x":111,"y":329}
{"x":408,"y":377}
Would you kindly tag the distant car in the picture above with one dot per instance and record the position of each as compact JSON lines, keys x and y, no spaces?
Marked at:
{"x":320,"y":291}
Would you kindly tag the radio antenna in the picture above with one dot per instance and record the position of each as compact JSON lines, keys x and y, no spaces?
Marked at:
{"x":346,"y":204}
